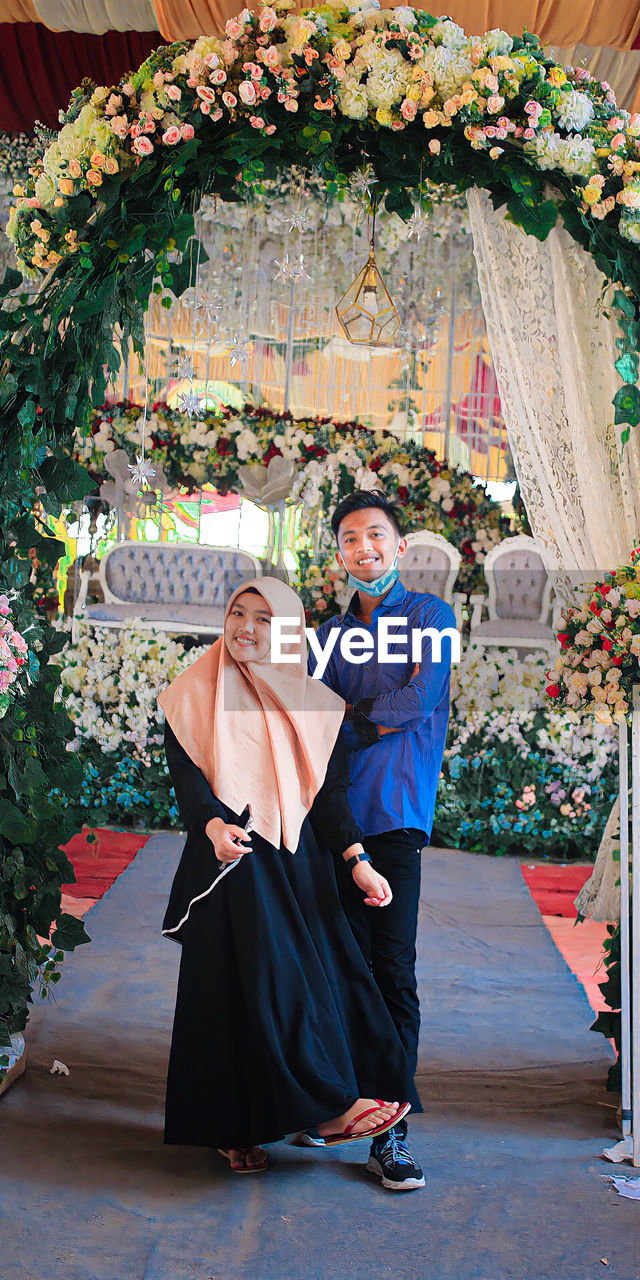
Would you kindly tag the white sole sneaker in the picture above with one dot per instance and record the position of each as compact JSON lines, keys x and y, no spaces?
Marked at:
{"x":409,"y":1184}
{"x":305,"y":1139}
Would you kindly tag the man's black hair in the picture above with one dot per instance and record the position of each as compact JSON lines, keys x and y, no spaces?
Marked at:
{"x":367,"y":499}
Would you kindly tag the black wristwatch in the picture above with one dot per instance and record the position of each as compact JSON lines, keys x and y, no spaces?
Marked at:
{"x":356,"y":857}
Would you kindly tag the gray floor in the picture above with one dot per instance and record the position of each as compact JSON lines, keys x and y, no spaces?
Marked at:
{"x":515,"y":1119}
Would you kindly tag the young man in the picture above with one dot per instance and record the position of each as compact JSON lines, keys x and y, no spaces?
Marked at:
{"x":397,"y":714}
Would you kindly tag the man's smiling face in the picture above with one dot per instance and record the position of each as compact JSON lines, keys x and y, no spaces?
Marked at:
{"x":367,"y":542}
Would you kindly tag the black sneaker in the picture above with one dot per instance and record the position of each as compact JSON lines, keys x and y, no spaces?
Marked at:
{"x":392,"y":1161}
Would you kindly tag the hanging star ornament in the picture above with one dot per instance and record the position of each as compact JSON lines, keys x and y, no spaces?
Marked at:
{"x":184,"y":367}
{"x":240,"y":352}
{"x":141,"y":470}
{"x":361,"y":183}
{"x":211,"y":306}
{"x":299,"y":220}
{"x":419,"y":224}
{"x":291,"y":269}
{"x":192,"y":404}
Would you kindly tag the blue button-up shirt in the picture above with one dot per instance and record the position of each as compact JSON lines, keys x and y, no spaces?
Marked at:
{"x":394,"y":781}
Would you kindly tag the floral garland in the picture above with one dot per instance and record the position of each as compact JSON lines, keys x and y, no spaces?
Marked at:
{"x":600,"y":661}
{"x":399,"y":69}
{"x":13,"y":656}
{"x":333,"y":458}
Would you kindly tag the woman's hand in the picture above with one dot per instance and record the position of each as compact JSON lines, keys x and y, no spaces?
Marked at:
{"x":229,"y":841}
{"x":377,"y":891}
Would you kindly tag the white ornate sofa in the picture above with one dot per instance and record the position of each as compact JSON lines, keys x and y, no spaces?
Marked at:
{"x":181,"y":587}
{"x":431,"y":563}
{"x":519,"y":601}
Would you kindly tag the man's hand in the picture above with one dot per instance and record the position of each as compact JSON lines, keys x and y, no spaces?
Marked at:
{"x":376,"y":889}
{"x":229,"y":841}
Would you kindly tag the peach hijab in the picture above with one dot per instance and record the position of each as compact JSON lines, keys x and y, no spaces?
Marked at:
{"x":261,"y":732}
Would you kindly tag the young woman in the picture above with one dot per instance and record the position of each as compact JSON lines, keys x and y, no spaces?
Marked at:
{"x":279,"y":1025}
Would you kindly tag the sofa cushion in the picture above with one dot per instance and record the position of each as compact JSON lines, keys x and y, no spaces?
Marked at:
{"x":168,"y":617}
{"x":150,"y":573}
{"x":516,"y":628}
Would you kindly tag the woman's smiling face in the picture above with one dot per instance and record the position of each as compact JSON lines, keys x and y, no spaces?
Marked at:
{"x":247,"y":629}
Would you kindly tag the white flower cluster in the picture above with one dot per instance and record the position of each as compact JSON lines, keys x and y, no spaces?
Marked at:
{"x":498,"y":694}
{"x":576,"y":156}
{"x":111,"y":681}
{"x":576,"y":111}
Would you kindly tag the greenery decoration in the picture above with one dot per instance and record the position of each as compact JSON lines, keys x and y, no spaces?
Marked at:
{"x":109,"y":215}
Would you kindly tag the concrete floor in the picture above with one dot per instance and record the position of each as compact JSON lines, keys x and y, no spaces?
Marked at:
{"x":515,"y":1119}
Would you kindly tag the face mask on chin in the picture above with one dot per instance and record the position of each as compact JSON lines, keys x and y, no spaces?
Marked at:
{"x":379,"y":586}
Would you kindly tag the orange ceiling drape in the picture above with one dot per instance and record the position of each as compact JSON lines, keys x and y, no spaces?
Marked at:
{"x":615,"y":23}
{"x":598,"y":23}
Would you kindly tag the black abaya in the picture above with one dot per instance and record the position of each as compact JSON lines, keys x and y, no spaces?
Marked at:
{"x":279,"y":1025}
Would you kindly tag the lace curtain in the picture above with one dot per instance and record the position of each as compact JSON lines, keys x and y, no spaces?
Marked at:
{"x":553,"y":348}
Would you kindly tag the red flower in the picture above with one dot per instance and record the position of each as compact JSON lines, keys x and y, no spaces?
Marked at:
{"x":564,"y":639}
{"x":553,"y":690}
{"x":594,"y":606}
{"x":223,"y":446}
{"x":403,"y":492}
{"x":272,"y":452}
{"x":617,"y":659}
{"x":375,"y":464}
{"x":607,"y":644}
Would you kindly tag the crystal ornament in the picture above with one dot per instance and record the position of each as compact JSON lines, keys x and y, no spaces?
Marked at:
{"x":361,"y":183}
{"x":184,"y":367}
{"x":291,"y":269}
{"x":367,"y":313}
{"x":192,"y":404}
{"x":142,"y":470}
{"x":240,"y":352}
{"x":419,"y":224}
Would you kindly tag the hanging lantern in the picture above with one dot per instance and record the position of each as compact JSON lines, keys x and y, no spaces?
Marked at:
{"x":367,"y":313}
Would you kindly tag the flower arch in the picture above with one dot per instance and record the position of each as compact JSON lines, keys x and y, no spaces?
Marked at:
{"x":108,"y":215}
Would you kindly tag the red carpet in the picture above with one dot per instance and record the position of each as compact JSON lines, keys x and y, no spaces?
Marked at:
{"x":98,"y":865}
{"x":553,"y":889}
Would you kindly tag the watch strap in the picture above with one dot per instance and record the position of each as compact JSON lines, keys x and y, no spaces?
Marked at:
{"x":356,"y":857}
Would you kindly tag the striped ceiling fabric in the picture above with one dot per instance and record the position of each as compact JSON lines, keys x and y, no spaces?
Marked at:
{"x":613,"y":24}
{"x":97,"y":16}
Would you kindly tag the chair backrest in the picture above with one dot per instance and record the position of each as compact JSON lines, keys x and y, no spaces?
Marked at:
{"x":430,"y":564}
{"x":174,"y":572}
{"x":518,"y":580}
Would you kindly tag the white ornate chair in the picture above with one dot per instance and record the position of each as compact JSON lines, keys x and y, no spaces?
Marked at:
{"x":432,"y":564}
{"x":519,"y":600}
{"x":179,"y":587}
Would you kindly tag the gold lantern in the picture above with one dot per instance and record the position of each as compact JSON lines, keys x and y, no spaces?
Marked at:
{"x":367,"y":313}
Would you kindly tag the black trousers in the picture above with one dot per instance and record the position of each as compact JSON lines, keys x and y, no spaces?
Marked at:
{"x":387,"y":935}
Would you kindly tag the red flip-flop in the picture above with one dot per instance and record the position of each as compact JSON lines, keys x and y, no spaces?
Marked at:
{"x":333,"y":1139}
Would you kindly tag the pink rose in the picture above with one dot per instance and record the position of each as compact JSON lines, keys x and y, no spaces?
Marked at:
{"x":158,"y":80}
{"x":5,"y":607}
{"x":271,"y":56}
{"x":256,"y":122}
{"x":205,"y":93}
{"x":143,"y":146}
{"x":434,"y":146}
{"x":495,"y":103}
{"x":218,"y":77}
{"x":529,"y":134}
{"x":230,"y":100}
{"x":217,"y":114}
{"x":233,"y":29}
{"x":268,"y":19}
{"x":618,"y":141}
{"x":247,"y":91}
{"x":171,"y":136}
{"x":187,"y":131}
{"x":119,"y":125}
{"x":252,"y":70}
{"x":174,"y":92}
{"x":271,"y":128}
{"x":212,"y":60}
{"x":291,"y":105}
{"x":409,"y":109}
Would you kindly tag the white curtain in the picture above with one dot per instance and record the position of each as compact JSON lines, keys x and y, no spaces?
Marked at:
{"x":553,"y":350}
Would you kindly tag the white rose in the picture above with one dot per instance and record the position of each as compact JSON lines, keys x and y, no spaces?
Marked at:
{"x":352,"y":97}
{"x":404,"y":15}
